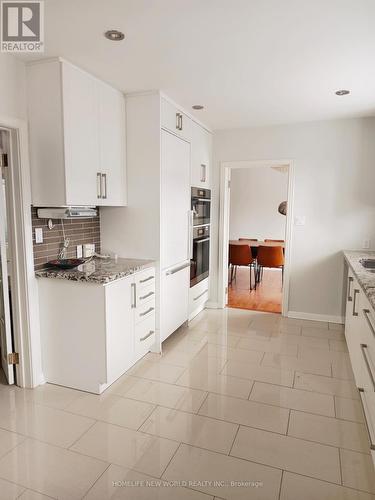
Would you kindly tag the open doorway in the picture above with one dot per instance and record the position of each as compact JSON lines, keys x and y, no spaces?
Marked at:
{"x":255,"y":235}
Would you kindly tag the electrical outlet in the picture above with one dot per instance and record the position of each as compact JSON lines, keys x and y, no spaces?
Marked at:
{"x":88,"y":249}
{"x":38,"y":235}
{"x":366,"y":244}
{"x":79,"y":251}
{"x":299,"y":220}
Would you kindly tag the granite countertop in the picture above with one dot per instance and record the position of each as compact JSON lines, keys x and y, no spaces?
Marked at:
{"x":96,"y":270}
{"x":365,"y":277}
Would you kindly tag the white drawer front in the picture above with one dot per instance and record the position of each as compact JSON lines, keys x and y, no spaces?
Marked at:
{"x":145,"y":310}
{"x":145,"y":294}
{"x":198,"y":295}
{"x":144,"y":336}
{"x":145,"y":278}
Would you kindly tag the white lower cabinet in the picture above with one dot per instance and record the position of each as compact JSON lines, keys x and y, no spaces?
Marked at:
{"x":360,"y":338}
{"x":198,"y":296}
{"x":93,"y":333}
{"x":174,"y":299}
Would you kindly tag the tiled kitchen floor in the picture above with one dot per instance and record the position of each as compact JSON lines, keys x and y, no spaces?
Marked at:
{"x":264,"y":401}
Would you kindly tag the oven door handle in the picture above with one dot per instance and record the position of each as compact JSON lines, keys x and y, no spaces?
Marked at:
{"x":191,"y":214}
{"x":208,"y":200}
{"x":202,"y":241}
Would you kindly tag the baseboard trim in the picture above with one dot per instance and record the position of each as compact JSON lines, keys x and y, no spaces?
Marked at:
{"x":316,"y":317}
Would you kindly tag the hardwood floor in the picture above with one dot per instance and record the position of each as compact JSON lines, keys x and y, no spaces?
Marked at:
{"x":267,"y":297}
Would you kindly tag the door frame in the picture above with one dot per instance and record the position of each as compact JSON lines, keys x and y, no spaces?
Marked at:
{"x":225,"y":174}
{"x":25,"y":302}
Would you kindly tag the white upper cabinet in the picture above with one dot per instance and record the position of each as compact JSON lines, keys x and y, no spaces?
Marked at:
{"x":77,"y":137}
{"x":201,"y":146}
{"x":175,"y":120}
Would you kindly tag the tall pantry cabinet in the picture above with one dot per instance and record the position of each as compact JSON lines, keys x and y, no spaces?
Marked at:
{"x":157,"y":221}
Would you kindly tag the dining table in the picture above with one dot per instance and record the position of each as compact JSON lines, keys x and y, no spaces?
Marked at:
{"x":258,"y":243}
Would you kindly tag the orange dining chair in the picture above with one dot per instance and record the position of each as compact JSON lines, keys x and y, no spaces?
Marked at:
{"x":270,"y":257}
{"x":240,"y":255}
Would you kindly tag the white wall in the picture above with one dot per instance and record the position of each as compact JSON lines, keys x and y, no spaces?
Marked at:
{"x":255,"y":196}
{"x":12,"y":87}
{"x":334,"y":188}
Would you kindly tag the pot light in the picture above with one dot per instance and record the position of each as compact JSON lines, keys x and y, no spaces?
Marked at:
{"x":114,"y":35}
{"x":198,"y":107}
{"x":342,"y":92}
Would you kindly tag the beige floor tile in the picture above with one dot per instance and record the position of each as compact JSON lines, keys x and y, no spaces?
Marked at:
{"x":260,"y":373}
{"x":243,"y":355}
{"x":296,"y":487}
{"x":204,"y":467}
{"x":326,"y":385}
{"x":215,"y":382}
{"x":322,"y":333}
{"x":112,"y":409}
{"x":250,"y":333}
{"x":321,"y":404}
{"x":311,"y":354}
{"x":288,"y":453}
{"x":136,"y":450}
{"x":307,"y":323}
{"x":302,"y":340}
{"x":156,"y":371}
{"x":291,"y":329}
{"x":336,"y":326}
{"x":328,"y":430}
{"x":125,"y":484}
{"x":9,"y":440}
{"x":275,"y":345}
{"x":317,"y":367}
{"x":216,"y":338}
{"x":51,"y":470}
{"x":33,"y":495}
{"x":10,"y":491}
{"x":338,"y":345}
{"x":357,"y":471}
{"x":44,"y":423}
{"x":159,"y":393}
{"x":191,"y":429}
{"x":245,"y":412}
{"x":342,"y":369}
{"x":349,"y":409}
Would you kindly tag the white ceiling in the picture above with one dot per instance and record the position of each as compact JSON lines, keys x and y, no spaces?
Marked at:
{"x":250,"y":62}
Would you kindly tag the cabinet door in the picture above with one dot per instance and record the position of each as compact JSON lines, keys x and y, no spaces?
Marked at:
{"x":175,"y":200}
{"x":174,"y":299}
{"x":175,"y":120}
{"x":201,"y":145}
{"x":353,"y":326}
{"x":120,"y":327}
{"x":81,"y":136}
{"x":112,"y":145}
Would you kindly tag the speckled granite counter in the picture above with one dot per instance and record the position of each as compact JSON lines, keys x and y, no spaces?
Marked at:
{"x":98,"y":270}
{"x":365,"y":277}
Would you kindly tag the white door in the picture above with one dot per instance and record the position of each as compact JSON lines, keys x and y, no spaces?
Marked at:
{"x":5,"y":323}
{"x":174,"y":299}
{"x":175,"y":200}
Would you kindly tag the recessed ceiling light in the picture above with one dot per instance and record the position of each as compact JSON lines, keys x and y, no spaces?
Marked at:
{"x":342,"y":92}
{"x":114,"y":35}
{"x":198,"y":107}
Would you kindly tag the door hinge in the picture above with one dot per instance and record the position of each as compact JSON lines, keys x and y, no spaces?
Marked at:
{"x":13,"y":358}
{"x":3,"y":160}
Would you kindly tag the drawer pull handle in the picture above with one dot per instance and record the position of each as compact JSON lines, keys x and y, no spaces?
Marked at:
{"x":356,"y":292}
{"x":148,"y":311}
{"x":371,"y":439}
{"x":366,"y":313}
{"x":146,"y":296}
{"x":363,"y":349}
{"x":147,"y":279}
{"x":134,"y":298}
{"x":350,"y":281}
{"x":177,"y":269}
{"x":151,"y":332}
{"x":200,"y":295}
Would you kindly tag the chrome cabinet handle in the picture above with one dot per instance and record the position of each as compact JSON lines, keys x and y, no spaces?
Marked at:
{"x":146,"y":312}
{"x":356,"y":292}
{"x":371,"y":438}
{"x":147,"y":279}
{"x":178,"y":121}
{"x":181,"y":124}
{"x":350,"y":281}
{"x":104,"y":179}
{"x":99,"y":185}
{"x":200,"y":295}
{"x":134,"y":299}
{"x":364,"y":353}
{"x":203,"y":172}
{"x":151,"y":332}
{"x":366,"y":313}
{"x":177,"y":269}
{"x":146,"y":296}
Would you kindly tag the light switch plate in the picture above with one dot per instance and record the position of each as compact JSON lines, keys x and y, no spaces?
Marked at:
{"x":79,"y":251}
{"x":299,"y":220}
{"x":88,"y":249}
{"x":366,"y":243}
{"x":38,"y":235}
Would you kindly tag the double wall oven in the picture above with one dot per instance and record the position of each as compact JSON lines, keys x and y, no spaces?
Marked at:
{"x":200,"y":254}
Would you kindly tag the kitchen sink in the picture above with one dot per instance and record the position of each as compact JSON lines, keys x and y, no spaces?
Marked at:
{"x":368,"y":263}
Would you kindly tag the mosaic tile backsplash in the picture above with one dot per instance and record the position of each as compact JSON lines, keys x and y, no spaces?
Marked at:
{"x":80,"y":231}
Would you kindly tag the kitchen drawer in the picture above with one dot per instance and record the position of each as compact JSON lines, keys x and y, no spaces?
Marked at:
{"x":368,"y":406}
{"x":145,"y":278}
{"x":367,"y":346}
{"x":144,"y":311}
{"x":145,"y":294}
{"x":198,"y":296}
{"x":144,"y":336}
